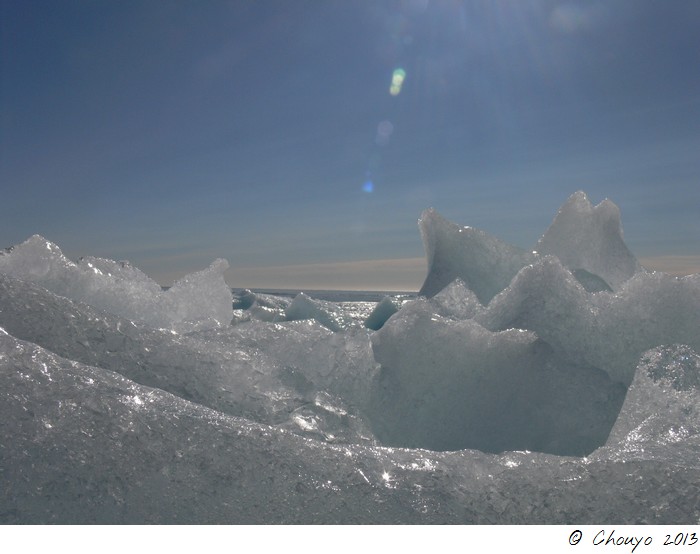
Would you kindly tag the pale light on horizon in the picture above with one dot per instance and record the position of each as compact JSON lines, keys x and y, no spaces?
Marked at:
{"x":391,"y":275}
{"x":673,"y":265}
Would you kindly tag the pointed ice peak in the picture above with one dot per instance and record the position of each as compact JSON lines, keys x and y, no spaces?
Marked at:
{"x":456,"y":300}
{"x":215,"y":270}
{"x":578,"y":200}
{"x":36,"y":257}
{"x":35,"y":242}
{"x":202,"y":299}
{"x":485,"y":264}
{"x":587,"y":237}
{"x":579,"y":207}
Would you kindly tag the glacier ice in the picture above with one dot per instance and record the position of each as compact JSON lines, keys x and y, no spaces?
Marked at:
{"x":557,"y":385}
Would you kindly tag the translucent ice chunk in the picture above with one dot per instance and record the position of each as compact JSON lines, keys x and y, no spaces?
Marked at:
{"x":326,"y":313}
{"x":121,"y":271}
{"x":84,"y":445}
{"x":223,"y":377}
{"x":546,"y":299}
{"x":200,"y":300}
{"x":483,"y":262}
{"x":258,"y":306}
{"x":197,"y":301}
{"x":660,"y":419}
{"x":587,"y":240}
{"x":608,"y":331}
{"x":247,"y":299}
{"x":388,"y":306}
{"x":649,"y":310}
{"x":309,"y":356}
{"x":590,"y":238}
{"x":590,"y":281}
{"x":244,"y":299}
{"x":449,"y":384}
{"x":456,"y":300}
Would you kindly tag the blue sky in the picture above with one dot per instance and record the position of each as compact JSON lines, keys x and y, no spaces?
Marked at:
{"x":171,"y":133}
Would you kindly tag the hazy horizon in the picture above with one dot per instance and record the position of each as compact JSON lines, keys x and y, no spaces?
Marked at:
{"x":389,"y":275}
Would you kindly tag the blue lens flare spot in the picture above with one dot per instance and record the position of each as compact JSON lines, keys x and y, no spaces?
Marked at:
{"x":368,"y":186}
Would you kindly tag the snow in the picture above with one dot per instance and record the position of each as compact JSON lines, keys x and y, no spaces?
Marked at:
{"x":552,"y":387}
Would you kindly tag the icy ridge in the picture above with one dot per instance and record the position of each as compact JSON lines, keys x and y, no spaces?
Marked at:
{"x":586,"y":239}
{"x":197,"y":301}
{"x":233,"y":370}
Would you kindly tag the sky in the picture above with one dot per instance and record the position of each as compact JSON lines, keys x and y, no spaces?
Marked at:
{"x":301,"y":140}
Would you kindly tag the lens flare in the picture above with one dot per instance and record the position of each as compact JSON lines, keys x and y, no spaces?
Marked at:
{"x":397,"y":79}
{"x":384,"y":131}
{"x":368,"y":186}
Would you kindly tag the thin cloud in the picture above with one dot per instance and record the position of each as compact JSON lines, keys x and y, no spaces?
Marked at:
{"x":571,"y":18}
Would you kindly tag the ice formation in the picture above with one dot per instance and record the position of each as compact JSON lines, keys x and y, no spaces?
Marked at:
{"x":85,"y":445}
{"x":384,"y":309}
{"x":609,"y":331}
{"x":552,"y":387}
{"x":588,"y":240}
{"x":257,"y":306}
{"x":483,"y":262}
{"x":451,"y":384}
{"x":326,"y":313}
{"x":197,"y":301}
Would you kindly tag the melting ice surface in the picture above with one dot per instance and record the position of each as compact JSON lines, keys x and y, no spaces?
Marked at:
{"x":556,"y":385}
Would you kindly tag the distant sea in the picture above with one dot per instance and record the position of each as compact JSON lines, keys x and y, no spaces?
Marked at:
{"x":332,"y":295}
